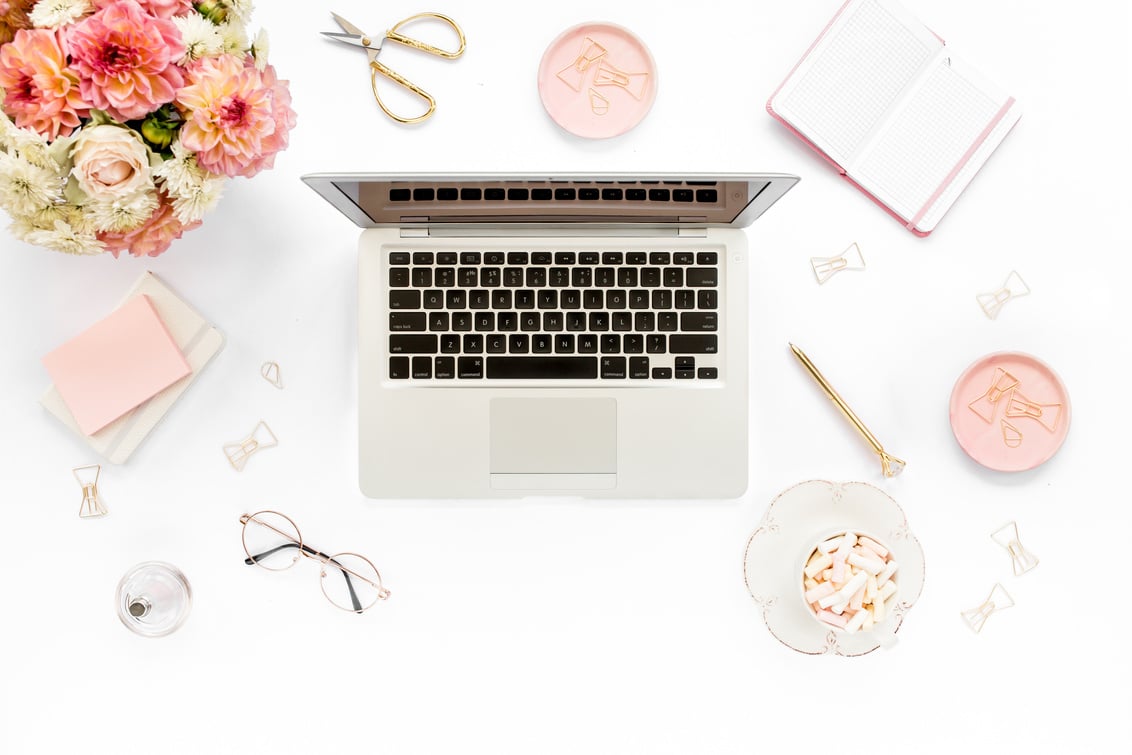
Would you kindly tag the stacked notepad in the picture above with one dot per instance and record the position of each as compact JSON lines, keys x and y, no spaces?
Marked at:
{"x":882,"y":98}
{"x":117,"y":380}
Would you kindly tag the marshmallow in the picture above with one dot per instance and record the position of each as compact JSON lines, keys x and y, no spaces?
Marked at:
{"x":853,"y":585}
{"x":879,"y":611}
{"x":819,"y":591}
{"x":829,"y":600}
{"x":886,"y":573}
{"x":819,"y":564}
{"x":856,"y":622}
{"x":886,"y":592}
{"x":874,"y":546}
{"x":871,"y":565}
{"x":831,"y":545}
{"x":870,"y":588}
{"x":832,"y":619}
{"x":858,"y":600}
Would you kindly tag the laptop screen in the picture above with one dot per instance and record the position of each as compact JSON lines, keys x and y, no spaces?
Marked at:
{"x":437,"y":200}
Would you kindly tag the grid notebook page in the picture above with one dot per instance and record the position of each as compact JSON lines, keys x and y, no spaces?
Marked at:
{"x":914,"y":155}
{"x":855,"y":79}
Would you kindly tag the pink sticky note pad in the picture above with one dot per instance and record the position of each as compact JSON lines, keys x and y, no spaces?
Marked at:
{"x":118,"y":363}
{"x":597,"y":80}
{"x":1010,"y":412}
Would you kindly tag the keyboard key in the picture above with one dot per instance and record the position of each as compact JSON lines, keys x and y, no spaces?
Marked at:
{"x":610,"y":344}
{"x":702,"y":277}
{"x":660,"y":258}
{"x":399,"y":277}
{"x":658,"y":195}
{"x":471,"y":195}
{"x":674,"y":277}
{"x":422,"y":368}
{"x":519,"y":343}
{"x":633,"y":343}
{"x":685,"y":363}
{"x":540,"y":258}
{"x":470,"y":368}
{"x":661,"y":373}
{"x":707,"y":299}
{"x":693,"y":344}
{"x":457,"y":299}
{"x":479,"y":299}
{"x":507,"y":322}
{"x":404,"y":299}
{"x":407,"y":321}
{"x":638,"y":368}
{"x":588,"y":195}
{"x":494,"y":258}
{"x":575,"y":321}
{"x":587,"y":343}
{"x":613,"y":368}
{"x":399,"y":258}
{"x":707,"y":373}
{"x":616,"y":298}
{"x":644,"y":322}
{"x":513,"y":277}
{"x":433,"y":299}
{"x":582,"y":277}
{"x":485,"y":322}
{"x":518,"y":195}
{"x":656,"y":344}
{"x":685,"y":374}
{"x":468,"y":276}
{"x":708,"y":196}
{"x":438,"y":321}
{"x":518,"y":258}
{"x":564,"y":194}
{"x":636,"y":258}
{"x":636,"y":195}
{"x":542,"y":195}
{"x":530,"y":322}
{"x":490,"y":277}
{"x":552,"y":321}
{"x":570,"y":300}
{"x":461,"y":321}
{"x":501,"y":299}
{"x":639,"y":299}
{"x":473,"y":343}
{"x":541,"y":367}
{"x":422,"y":277}
{"x":444,"y":368}
{"x":470,"y":258}
{"x":612,"y":194}
{"x":542,"y":343}
{"x":621,"y":321}
{"x":447,"y":258}
{"x":423,"y":195}
{"x":666,"y":322}
{"x":589,"y":258}
{"x":650,"y":277}
{"x":547,"y":299}
{"x":450,"y":343}
{"x":612,"y":258}
{"x":599,"y":321}
{"x":627,"y":277}
{"x":412,"y":344}
{"x":682,"y":195}
{"x":684,"y":258}
{"x":559,"y":277}
{"x":564,"y":343}
{"x":605,"y":277}
{"x":707,"y":258}
{"x":593,"y":299}
{"x":565,"y":258}
{"x":495,"y":344}
{"x":536,"y":277}
{"x":699,"y":321}
{"x":525,"y":299}
{"x":685,"y":299}
{"x":399,"y":368}
{"x":423,"y":258}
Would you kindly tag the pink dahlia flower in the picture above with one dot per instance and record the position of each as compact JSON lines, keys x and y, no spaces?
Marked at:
{"x":159,"y":8}
{"x":42,"y":92}
{"x":152,"y":237}
{"x":236,"y":118}
{"x":124,"y":58}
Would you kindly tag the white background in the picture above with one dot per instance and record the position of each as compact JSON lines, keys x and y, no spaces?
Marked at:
{"x":548,"y":627}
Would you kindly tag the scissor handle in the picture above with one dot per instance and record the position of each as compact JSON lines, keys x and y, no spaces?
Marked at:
{"x":380,"y":68}
{"x":395,"y":36}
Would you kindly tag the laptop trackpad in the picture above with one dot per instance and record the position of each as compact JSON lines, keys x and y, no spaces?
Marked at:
{"x":553,"y":443}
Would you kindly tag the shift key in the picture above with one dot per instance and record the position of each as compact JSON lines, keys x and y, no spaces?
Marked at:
{"x":413,"y":344}
{"x":687,"y":344}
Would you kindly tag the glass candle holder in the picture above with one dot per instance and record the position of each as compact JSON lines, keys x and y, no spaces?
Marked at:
{"x":154,"y":599}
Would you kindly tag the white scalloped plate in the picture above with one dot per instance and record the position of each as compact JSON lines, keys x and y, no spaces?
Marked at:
{"x":796,"y":519}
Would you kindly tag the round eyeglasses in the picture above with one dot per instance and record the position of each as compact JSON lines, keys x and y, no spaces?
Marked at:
{"x":349,"y":581}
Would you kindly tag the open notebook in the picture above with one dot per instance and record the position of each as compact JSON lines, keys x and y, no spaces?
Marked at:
{"x":880,"y":96}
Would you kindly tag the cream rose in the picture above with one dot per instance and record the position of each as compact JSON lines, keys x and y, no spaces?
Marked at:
{"x":110,"y":162}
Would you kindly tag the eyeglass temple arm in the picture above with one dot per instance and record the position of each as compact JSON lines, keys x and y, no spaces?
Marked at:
{"x":250,"y":561}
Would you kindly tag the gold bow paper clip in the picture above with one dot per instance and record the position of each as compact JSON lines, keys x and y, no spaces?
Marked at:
{"x":92,"y":505}
{"x":826,"y":267}
{"x":574,"y":75}
{"x":1007,"y":537}
{"x":261,"y":438}
{"x":609,"y":75}
{"x":998,"y":600}
{"x":272,"y":374}
{"x":985,"y":405}
{"x":1047,"y":415}
{"x":1013,"y":288}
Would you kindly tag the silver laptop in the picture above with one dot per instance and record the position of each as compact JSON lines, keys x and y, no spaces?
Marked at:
{"x":526,"y":335}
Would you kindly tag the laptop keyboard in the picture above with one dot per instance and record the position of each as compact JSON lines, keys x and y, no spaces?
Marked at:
{"x":516,"y":315}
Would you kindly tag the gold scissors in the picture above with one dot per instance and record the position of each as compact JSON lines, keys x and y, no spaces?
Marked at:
{"x":372,"y":45}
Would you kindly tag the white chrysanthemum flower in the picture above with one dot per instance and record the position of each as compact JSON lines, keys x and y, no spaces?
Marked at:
{"x":234,"y":37}
{"x":51,"y":14}
{"x":64,"y":238}
{"x":261,"y":47}
{"x":125,"y":214}
{"x":200,"y":36}
{"x":197,"y":202}
{"x":180,"y":174}
{"x":26,"y":188}
{"x":241,"y":9}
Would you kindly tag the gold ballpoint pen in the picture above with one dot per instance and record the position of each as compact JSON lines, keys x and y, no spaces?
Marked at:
{"x":890,"y":465}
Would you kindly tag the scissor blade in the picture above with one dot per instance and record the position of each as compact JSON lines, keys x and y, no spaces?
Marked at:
{"x":347,"y":25}
{"x":350,"y":39}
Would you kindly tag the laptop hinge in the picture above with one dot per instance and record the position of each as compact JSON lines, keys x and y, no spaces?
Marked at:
{"x":493,"y":230}
{"x":693,"y":233}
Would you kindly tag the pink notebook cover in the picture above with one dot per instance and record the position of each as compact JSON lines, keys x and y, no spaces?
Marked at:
{"x":118,"y":363}
{"x":909,"y":223}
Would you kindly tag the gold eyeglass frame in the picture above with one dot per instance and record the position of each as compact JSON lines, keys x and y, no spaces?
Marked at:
{"x":308,"y":552}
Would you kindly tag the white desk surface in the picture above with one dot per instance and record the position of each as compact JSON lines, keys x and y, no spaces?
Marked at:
{"x":569,"y":627}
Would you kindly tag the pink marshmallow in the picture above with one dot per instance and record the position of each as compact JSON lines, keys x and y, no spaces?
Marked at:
{"x":833,"y":619}
{"x":819,"y":592}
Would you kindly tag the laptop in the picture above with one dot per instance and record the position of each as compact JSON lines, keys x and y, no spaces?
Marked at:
{"x":552,"y":335}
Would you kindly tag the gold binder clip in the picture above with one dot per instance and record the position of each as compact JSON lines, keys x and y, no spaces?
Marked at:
{"x":1007,"y":537}
{"x":271,"y":373}
{"x":92,"y":505}
{"x":609,"y":75}
{"x":1013,"y":288}
{"x":261,"y":438}
{"x":998,"y":600}
{"x":826,"y":267}
{"x":984,"y":406}
{"x":575,"y":74}
{"x":1046,"y":415}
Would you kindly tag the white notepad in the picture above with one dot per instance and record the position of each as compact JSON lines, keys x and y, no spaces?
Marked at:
{"x":199,"y":342}
{"x":882,"y":98}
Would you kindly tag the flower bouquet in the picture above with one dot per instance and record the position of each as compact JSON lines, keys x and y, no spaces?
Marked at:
{"x":121,"y":119}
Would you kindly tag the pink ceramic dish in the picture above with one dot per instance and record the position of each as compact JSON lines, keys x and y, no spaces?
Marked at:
{"x":1010,"y":411}
{"x":597,"y":80}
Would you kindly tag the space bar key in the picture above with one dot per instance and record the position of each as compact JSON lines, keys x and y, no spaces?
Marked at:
{"x":541,"y":368}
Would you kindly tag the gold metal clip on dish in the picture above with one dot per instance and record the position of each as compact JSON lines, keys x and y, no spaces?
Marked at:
{"x":889,"y":464}
{"x":87,"y":477}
